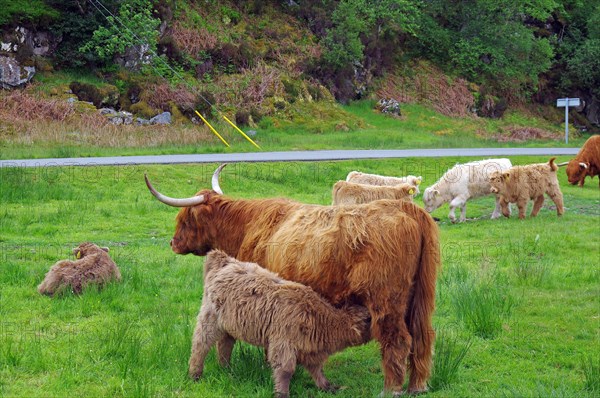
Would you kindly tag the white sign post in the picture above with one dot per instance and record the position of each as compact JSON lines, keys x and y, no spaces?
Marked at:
{"x":567,"y":102}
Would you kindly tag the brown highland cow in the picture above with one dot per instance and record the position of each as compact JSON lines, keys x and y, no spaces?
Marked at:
{"x":586,"y":163}
{"x":243,"y":301}
{"x":93,"y":266}
{"x":383,"y":255}
{"x":521,"y":183}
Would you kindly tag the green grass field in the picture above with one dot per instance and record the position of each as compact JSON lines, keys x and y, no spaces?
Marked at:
{"x":518,"y":307}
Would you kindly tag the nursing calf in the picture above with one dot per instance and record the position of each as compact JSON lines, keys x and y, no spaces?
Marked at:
{"x":242,"y":301}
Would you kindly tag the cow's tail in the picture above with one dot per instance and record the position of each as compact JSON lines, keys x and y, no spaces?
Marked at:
{"x":420,"y":311}
{"x":552,"y":165}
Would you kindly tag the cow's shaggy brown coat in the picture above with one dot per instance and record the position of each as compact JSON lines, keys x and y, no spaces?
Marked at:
{"x":519,"y":184}
{"x":383,"y":255}
{"x":93,"y":266}
{"x":349,"y":193}
{"x":242,"y":301}
{"x":586,"y":163}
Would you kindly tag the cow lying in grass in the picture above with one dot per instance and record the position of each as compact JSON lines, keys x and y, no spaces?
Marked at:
{"x":242,"y":301}
{"x":461,"y":183}
{"x":348,"y":193}
{"x":93,"y":266}
{"x":521,"y":183}
{"x":373,"y":179}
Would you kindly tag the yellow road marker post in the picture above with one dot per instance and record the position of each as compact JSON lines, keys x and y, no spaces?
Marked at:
{"x":240,"y":131}
{"x":212,"y":129}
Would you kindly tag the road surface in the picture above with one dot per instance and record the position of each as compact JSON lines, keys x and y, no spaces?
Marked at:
{"x":287,"y":156}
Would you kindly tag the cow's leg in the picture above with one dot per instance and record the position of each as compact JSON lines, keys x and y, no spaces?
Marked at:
{"x":522,"y":205}
{"x":395,"y":341}
{"x":224,"y":348}
{"x":316,"y":371}
{"x":497,"y":209}
{"x":454,"y":203}
{"x":206,"y":334}
{"x":463,"y":212}
{"x":557,"y":197}
{"x":505,"y":206}
{"x":537,"y":205}
{"x":283,"y":362}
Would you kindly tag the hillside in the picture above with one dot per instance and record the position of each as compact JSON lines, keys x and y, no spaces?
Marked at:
{"x":269,"y":64}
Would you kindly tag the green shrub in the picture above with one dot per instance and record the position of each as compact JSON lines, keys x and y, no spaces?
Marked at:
{"x":450,"y":350}
{"x":144,"y":110}
{"x":20,"y":11}
{"x":483,"y":304}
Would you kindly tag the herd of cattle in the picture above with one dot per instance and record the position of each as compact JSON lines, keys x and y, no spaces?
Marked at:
{"x":304,"y":281}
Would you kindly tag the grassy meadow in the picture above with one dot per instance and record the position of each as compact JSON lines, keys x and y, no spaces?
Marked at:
{"x":308,"y":126}
{"x":518,"y":310}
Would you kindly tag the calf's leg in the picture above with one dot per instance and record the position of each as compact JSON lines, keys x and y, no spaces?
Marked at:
{"x":283,"y":362}
{"x":206,"y":334}
{"x":522,"y":205}
{"x":537,"y":205}
{"x":557,"y":197}
{"x":316,"y":371}
{"x":224,"y":348}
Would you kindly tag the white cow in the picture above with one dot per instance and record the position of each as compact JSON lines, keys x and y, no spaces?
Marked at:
{"x":461,"y":183}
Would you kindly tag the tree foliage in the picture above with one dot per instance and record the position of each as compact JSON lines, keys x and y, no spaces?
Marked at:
{"x":134,"y":25}
{"x":485,"y":40}
{"x":26,"y":12}
{"x":355,"y":22}
{"x":580,"y":49}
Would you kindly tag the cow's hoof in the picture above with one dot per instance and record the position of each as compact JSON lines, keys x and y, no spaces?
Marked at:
{"x":195,"y":375}
{"x":390,"y":394}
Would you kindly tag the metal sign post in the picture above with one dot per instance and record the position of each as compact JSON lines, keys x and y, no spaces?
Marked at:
{"x":567,"y":102}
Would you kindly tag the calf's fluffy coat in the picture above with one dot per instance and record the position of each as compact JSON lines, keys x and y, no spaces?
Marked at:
{"x":348,"y":193}
{"x":521,"y":183}
{"x":246,"y":302}
{"x":93,"y":266}
{"x":462,"y":183}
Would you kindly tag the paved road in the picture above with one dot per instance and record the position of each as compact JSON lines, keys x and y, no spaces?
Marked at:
{"x":287,"y":156}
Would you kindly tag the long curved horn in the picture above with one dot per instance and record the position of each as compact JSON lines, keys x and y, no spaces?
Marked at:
{"x":185,"y":202}
{"x":215,"y":179}
{"x":562,"y":164}
{"x":583,"y":165}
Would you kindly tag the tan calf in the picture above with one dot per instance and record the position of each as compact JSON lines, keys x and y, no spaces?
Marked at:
{"x":519,"y":184}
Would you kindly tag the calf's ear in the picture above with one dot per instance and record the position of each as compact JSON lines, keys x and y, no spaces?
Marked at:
{"x":411,"y":191}
{"x":505,"y":176}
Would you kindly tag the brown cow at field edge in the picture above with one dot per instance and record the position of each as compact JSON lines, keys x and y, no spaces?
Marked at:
{"x":586,"y":163}
{"x":383,"y":255}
